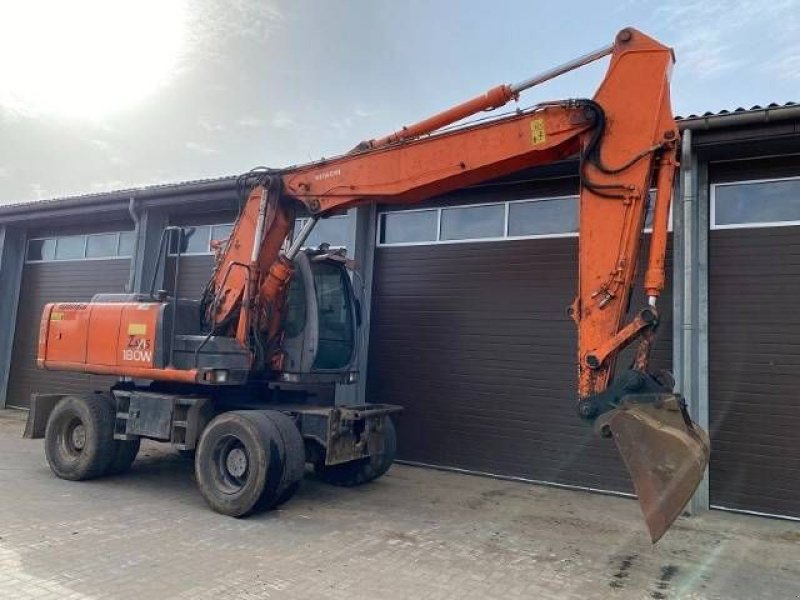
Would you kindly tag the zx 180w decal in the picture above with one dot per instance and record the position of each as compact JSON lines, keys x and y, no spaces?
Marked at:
{"x":137,"y":350}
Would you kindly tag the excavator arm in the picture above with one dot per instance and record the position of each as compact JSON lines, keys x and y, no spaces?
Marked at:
{"x":627,"y":141}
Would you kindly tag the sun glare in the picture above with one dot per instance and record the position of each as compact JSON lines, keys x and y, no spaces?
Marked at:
{"x":86,"y":58}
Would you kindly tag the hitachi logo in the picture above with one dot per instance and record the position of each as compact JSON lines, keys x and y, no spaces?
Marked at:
{"x":327,"y":174}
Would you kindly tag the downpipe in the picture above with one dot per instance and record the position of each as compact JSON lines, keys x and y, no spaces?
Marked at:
{"x":136,"y":226}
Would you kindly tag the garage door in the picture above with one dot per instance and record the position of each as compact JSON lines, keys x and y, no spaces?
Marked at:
{"x":754,"y":346}
{"x":472,"y":339}
{"x":71,"y":269}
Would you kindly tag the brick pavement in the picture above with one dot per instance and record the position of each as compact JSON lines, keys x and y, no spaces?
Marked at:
{"x":416,"y":533}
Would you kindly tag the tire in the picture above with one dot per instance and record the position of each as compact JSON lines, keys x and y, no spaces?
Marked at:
{"x":362,"y":471}
{"x":126,"y":451}
{"x":79,"y":438}
{"x":239,"y":463}
{"x":294,"y":459}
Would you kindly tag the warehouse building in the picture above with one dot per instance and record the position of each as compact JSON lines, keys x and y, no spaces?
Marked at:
{"x":466,"y":324}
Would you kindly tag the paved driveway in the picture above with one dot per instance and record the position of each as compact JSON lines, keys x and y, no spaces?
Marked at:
{"x":416,"y":533}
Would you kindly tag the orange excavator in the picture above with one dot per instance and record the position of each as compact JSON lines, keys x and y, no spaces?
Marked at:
{"x":243,"y":377}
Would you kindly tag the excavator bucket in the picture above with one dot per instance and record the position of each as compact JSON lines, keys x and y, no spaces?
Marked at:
{"x":665,"y":452}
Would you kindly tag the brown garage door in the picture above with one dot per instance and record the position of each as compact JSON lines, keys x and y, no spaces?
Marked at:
{"x":193,"y":275}
{"x":754,"y":369}
{"x":67,"y":281}
{"x":196,"y":261}
{"x":472,"y":339}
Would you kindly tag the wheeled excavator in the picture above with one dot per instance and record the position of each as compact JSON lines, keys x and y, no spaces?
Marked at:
{"x":243,"y":377}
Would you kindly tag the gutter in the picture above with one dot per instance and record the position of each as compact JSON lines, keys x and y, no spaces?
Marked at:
{"x":760,"y":116}
{"x":166,"y":193}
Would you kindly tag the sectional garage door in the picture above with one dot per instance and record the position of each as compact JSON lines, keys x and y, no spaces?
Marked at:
{"x":473,"y":340}
{"x":72,"y":278}
{"x":754,"y":347}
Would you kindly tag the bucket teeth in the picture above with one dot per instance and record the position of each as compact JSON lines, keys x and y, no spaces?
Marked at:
{"x":665,"y":453}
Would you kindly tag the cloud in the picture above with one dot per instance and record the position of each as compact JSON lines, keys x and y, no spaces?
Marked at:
{"x":787,"y":66}
{"x":214,"y":24}
{"x":363,"y":113}
{"x":39,"y":192}
{"x":710,"y":31}
{"x":706,"y":54}
{"x":107,"y":186}
{"x":103,"y":145}
{"x":250,"y":122}
{"x":344,"y":124}
{"x":282,"y":120}
{"x":109,"y":151}
{"x":201,"y":148}
{"x":209,"y":125}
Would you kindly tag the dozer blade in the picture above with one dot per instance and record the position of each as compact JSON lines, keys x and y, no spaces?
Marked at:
{"x":665,"y":452}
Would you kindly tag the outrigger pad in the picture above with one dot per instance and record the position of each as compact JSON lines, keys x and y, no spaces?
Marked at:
{"x":665,"y":452}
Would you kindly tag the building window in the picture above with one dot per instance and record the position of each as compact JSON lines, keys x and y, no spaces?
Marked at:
{"x":103,"y":244}
{"x":542,"y":217}
{"x":473,"y":222}
{"x":766,"y":203}
{"x":196,"y":239}
{"x":70,"y":247}
{"x":548,"y":216}
{"x":221,"y":233}
{"x":334,"y":230}
{"x":116,"y":244}
{"x":127,"y":240}
{"x":513,"y":219}
{"x":191,"y":240}
{"x":40,"y":250}
{"x":409,"y":227}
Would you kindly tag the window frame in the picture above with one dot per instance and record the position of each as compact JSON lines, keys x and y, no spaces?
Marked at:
{"x":299,"y":223}
{"x":210,"y":226}
{"x":749,"y":224}
{"x":505,"y":238}
{"x":85,"y":236}
{"x":117,"y":235}
{"x":231,"y":224}
{"x":440,"y":210}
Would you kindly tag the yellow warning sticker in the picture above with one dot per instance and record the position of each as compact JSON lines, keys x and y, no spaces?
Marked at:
{"x":137,"y":329}
{"x":538,"y":135}
{"x":56,"y":316}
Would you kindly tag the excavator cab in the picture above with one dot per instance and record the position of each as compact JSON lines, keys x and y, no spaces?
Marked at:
{"x":322,"y":319}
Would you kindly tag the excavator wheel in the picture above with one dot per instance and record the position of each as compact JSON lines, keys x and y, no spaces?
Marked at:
{"x":79,"y":439}
{"x":294,"y":455}
{"x":362,"y":471}
{"x":242,"y":464}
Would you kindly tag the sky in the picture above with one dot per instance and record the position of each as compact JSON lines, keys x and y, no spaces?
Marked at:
{"x":97,"y":95}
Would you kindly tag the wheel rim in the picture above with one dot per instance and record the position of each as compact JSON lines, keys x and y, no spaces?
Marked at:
{"x":73,"y":438}
{"x":231,"y":464}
